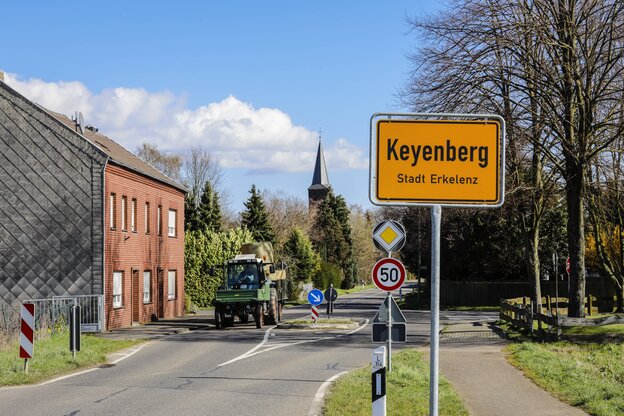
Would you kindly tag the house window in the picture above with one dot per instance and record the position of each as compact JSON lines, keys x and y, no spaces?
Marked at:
{"x":147,"y":286}
{"x":171,"y":292}
{"x":173,"y":214}
{"x":112,"y":202}
{"x":147,"y":218}
{"x":117,"y":289}
{"x":133,"y":216}
{"x":124,"y":211}
{"x":159,"y":220}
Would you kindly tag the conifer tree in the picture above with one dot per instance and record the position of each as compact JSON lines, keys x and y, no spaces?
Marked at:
{"x":191,"y":220}
{"x":256,"y":219}
{"x":209,"y":211}
{"x":332,"y":236}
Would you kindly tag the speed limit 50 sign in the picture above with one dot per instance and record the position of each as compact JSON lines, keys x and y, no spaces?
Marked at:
{"x":388,"y":274}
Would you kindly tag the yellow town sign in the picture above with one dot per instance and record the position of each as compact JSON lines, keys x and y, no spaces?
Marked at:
{"x":448,"y":162}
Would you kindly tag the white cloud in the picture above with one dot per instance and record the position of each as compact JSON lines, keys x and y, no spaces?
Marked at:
{"x":241,"y":136}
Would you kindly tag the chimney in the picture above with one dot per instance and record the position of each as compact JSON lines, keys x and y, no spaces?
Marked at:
{"x":1,"y":76}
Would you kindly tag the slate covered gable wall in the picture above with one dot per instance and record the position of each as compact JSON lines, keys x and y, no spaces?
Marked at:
{"x":51,"y":208}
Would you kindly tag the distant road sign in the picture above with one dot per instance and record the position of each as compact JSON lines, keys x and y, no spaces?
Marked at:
{"x":568,"y":265}
{"x":457,"y":161}
{"x":389,"y":236}
{"x":388,"y":274}
{"x":331,"y":295}
{"x":315,"y":297}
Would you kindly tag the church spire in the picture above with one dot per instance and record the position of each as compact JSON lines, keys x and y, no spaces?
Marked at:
{"x":320,"y":180}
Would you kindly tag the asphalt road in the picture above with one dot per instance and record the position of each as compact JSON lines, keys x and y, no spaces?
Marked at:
{"x":236,"y":371}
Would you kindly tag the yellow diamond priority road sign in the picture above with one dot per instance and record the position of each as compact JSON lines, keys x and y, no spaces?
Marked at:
{"x":436,"y":159}
{"x":389,"y":236}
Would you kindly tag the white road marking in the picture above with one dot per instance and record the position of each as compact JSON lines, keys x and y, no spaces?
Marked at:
{"x":130,"y":353}
{"x":251,"y":351}
{"x":254,"y":351}
{"x":317,"y":403}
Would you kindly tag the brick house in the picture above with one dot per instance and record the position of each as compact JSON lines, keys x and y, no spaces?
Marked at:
{"x":81,"y":215}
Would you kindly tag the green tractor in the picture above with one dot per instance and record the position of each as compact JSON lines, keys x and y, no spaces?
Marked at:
{"x":251,"y":287}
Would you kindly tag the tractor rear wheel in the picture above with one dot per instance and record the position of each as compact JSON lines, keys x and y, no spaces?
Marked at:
{"x":218,"y":317}
{"x":279,"y":312}
{"x":272,"y":318}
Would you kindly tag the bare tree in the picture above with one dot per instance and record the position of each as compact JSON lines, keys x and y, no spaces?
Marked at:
{"x":169,"y":164}
{"x":201,"y":166}
{"x":553,"y":70}
{"x":286,"y":213}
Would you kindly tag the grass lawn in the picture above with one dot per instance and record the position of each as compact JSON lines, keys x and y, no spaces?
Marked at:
{"x":52,"y":358}
{"x":615,"y":329}
{"x":588,"y":375}
{"x":407,"y":391}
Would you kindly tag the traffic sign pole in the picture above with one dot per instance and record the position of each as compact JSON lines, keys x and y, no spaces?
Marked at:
{"x":389,"y":332}
{"x":436,"y":215}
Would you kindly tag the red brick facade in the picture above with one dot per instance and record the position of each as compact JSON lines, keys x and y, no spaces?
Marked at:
{"x":132,"y":252}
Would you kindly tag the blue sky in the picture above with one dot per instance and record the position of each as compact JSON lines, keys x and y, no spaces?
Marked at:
{"x":250,"y":81}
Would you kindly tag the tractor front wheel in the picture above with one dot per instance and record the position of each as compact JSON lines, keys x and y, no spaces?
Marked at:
{"x":259,"y":316}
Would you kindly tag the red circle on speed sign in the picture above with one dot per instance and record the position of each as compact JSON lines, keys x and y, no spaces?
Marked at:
{"x":388,"y":274}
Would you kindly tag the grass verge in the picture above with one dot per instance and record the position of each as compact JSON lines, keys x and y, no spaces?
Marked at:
{"x":355,"y":289}
{"x":407,"y":391}
{"x":52,"y":358}
{"x":590,"y":376}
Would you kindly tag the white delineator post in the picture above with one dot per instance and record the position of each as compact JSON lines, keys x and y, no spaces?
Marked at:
{"x":27,"y":333}
{"x":315,"y":313}
{"x":378,"y":384}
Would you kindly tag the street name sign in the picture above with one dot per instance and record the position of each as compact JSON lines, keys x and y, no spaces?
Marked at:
{"x":315,"y":297}
{"x":389,"y":236}
{"x":388,"y":274}
{"x":452,"y":161}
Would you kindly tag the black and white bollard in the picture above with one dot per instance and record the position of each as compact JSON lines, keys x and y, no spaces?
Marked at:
{"x":379,"y":381}
{"x":74,"y":329}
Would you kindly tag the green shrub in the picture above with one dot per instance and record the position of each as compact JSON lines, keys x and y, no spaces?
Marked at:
{"x":204,"y":255}
{"x":327,"y":275}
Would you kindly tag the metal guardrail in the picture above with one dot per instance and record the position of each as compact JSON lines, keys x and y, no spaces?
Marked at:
{"x":50,"y":313}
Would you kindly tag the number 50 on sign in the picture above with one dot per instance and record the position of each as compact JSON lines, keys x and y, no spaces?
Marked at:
{"x":389,"y":274}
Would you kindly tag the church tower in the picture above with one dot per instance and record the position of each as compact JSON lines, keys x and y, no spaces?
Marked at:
{"x":320,"y":181}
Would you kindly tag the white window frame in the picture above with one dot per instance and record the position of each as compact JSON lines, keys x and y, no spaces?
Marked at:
{"x":173,"y":218}
{"x":171,"y":284}
{"x":159,"y":220}
{"x":124,"y":209}
{"x":147,"y":286}
{"x":112,"y":200}
{"x":133,"y":215}
{"x":117,"y":289}
{"x":147,"y":218}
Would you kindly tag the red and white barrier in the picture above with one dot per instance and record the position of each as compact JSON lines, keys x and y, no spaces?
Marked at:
{"x":315,"y":313}
{"x":27,"y":331}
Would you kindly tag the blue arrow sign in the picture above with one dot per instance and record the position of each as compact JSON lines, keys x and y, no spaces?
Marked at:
{"x":315,"y":297}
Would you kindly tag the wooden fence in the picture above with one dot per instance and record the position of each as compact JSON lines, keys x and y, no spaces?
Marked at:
{"x":546,"y":326}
